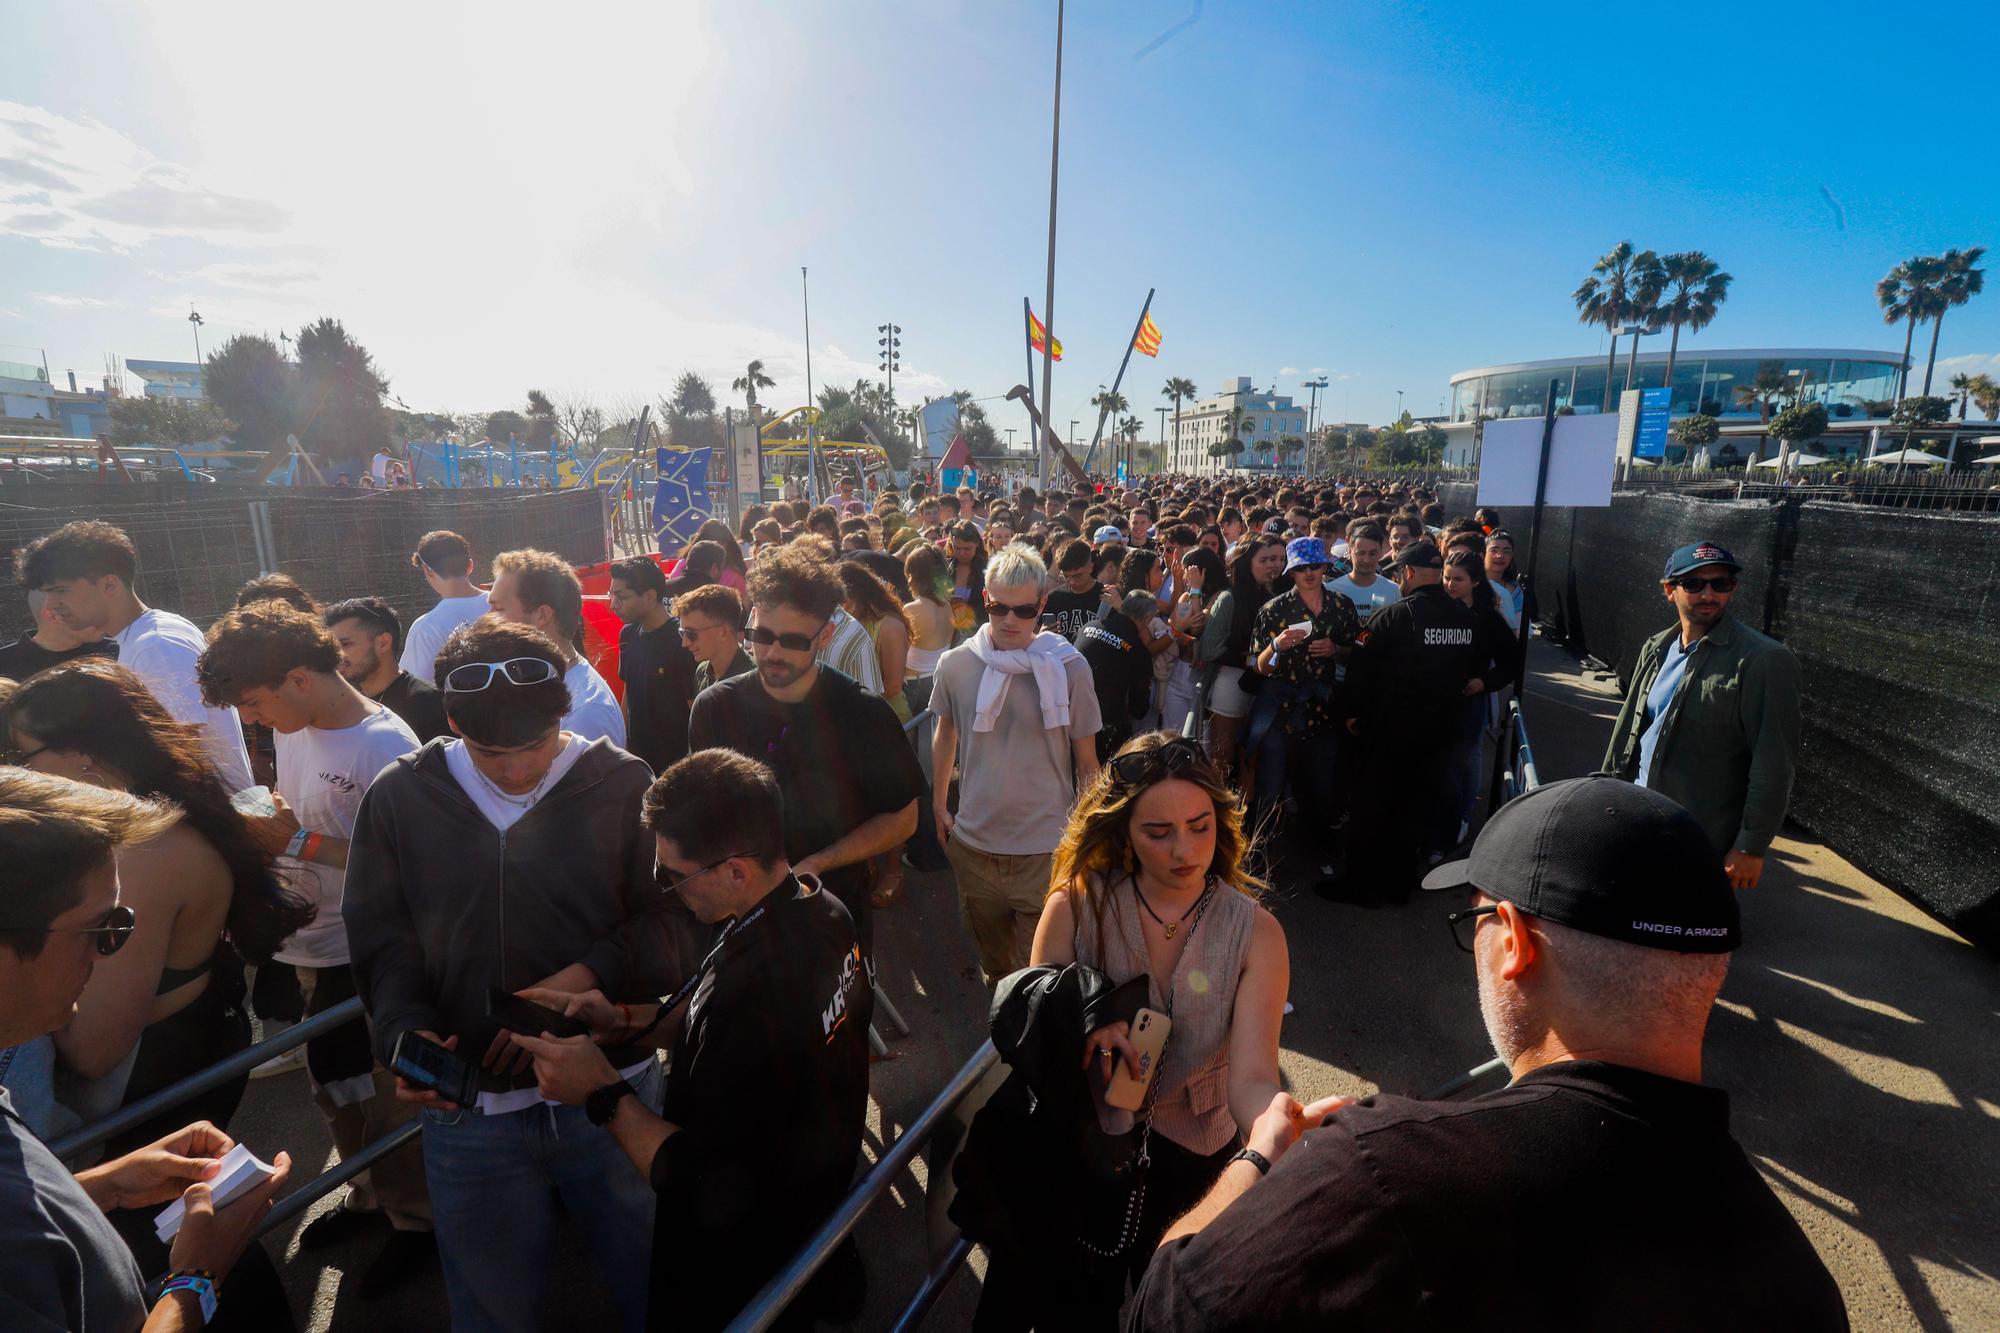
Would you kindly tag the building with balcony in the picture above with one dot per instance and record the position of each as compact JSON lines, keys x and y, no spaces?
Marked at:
{"x":169,"y":379}
{"x":1269,"y":417}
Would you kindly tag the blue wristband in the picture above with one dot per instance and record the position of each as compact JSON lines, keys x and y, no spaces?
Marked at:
{"x":203,"y":1288}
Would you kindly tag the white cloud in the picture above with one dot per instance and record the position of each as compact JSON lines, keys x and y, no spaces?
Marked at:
{"x":80,"y":184}
{"x":1973,"y":363}
{"x":1288,"y":370}
{"x":254,"y":276}
{"x":65,"y":299}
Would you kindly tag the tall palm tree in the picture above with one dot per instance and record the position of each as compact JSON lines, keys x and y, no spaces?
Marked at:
{"x":1650,"y":280}
{"x":1606,"y":297}
{"x":1961,"y":281}
{"x":1985,"y":392}
{"x":1178,"y":387}
{"x":1694,"y":286}
{"x":1234,"y":427}
{"x":1961,"y":388}
{"x":752,"y":379}
{"x":1909,"y":293}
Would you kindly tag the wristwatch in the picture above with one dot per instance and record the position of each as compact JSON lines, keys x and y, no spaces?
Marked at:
{"x":602,"y":1104}
{"x":1256,"y":1159}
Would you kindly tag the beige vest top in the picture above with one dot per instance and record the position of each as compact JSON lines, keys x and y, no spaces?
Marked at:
{"x":1191,"y":1106}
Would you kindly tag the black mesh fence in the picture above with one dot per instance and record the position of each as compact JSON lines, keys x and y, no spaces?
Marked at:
{"x":197,"y":548}
{"x":1895,"y":617}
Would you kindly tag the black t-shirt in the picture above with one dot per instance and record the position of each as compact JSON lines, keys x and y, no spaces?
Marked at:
{"x":769,"y":1086}
{"x":1583,"y":1196}
{"x":658,"y":672}
{"x":1410,"y":669}
{"x":840,"y":755}
{"x":1073,"y":610}
{"x":24,"y":657}
{"x":1121,"y":671}
{"x":418,"y":704}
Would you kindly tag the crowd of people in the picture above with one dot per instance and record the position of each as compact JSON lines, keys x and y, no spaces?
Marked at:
{"x":1118,"y":717}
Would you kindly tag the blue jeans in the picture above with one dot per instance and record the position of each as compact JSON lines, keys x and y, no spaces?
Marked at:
{"x":494,"y":1182}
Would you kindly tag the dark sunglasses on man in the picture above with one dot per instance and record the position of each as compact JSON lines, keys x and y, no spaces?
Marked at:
{"x":1027,"y":611}
{"x":791,"y":643}
{"x":476,"y":676}
{"x":111,"y":933}
{"x":1690,"y":584}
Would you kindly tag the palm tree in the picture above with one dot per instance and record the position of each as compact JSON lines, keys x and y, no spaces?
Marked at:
{"x":692,"y":396}
{"x":1289,"y":445}
{"x":1235,"y":425}
{"x":1961,"y":387}
{"x":1694,"y":287}
{"x":1985,"y":391}
{"x":1178,"y":388}
{"x":1110,"y":406}
{"x":1960,"y":283}
{"x":1908,"y":293}
{"x":1607,"y":297}
{"x":752,"y":379}
{"x":1764,"y":389}
{"x":1650,"y":281}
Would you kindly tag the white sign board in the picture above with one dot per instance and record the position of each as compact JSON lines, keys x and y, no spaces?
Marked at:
{"x":1582,"y":459}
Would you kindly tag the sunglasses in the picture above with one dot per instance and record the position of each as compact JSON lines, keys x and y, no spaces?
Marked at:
{"x":111,"y":934}
{"x":664,"y":878}
{"x":689,"y":634}
{"x":476,"y":676}
{"x":791,"y":643}
{"x":1171,"y":760}
{"x":1027,"y":612}
{"x":1689,"y":583}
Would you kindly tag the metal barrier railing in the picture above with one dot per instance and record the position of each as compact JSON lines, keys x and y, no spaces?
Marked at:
{"x":1521,"y":775}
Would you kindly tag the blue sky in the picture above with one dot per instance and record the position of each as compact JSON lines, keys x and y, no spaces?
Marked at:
{"x":596,"y":197}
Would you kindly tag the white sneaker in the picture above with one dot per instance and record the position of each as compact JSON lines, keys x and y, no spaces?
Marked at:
{"x":277,"y":1064}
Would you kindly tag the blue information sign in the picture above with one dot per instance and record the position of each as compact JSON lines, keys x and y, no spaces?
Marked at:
{"x":1651,"y":441}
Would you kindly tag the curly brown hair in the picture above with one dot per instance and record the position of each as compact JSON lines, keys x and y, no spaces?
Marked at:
{"x":257,"y":646}
{"x":1098,"y":839}
{"x":799,"y":577}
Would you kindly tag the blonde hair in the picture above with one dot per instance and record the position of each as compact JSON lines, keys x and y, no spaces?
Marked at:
{"x":1098,"y":839}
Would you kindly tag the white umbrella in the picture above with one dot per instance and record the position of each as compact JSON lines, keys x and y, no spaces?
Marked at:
{"x":1907,"y":456}
{"x":1991,"y":460}
{"x":1795,"y":460}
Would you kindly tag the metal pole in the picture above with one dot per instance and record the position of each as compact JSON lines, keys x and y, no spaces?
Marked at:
{"x":1049,"y":296}
{"x":812,"y":439}
{"x":1104,"y":408}
{"x":1535,"y":528}
{"x":1036,"y":423}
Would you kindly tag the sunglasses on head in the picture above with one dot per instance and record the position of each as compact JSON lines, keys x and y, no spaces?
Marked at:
{"x":791,"y":643}
{"x":1171,"y":760}
{"x":1689,"y":583}
{"x":1027,"y":612}
{"x":476,"y":676}
{"x":111,"y":933}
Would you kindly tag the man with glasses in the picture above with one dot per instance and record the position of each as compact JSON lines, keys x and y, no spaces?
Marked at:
{"x":711,"y":619}
{"x":850,"y":778}
{"x":1712,"y":716}
{"x":62,"y":1266}
{"x":654,"y":663}
{"x":445,"y":560}
{"x":768,"y":1088}
{"x":509,"y":858}
{"x":1017,"y":721}
{"x":1600,"y":927}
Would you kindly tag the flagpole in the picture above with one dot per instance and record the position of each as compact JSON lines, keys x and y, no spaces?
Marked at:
{"x":1049,"y":297}
{"x":1034,"y":427}
{"x":812,"y":443}
{"x":1105,"y":408}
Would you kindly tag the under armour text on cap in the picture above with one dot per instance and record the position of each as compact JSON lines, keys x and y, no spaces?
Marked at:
{"x":1694,"y":555}
{"x":1606,"y":857}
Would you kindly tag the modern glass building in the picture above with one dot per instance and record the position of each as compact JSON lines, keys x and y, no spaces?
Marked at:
{"x":1730,"y":385}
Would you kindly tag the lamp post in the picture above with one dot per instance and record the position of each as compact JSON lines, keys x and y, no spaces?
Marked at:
{"x":1637,"y":331}
{"x":1160,"y":443}
{"x":1312,"y":408}
{"x":891,"y":343}
{"x":1010,"y":439}
{"x":196,"y":321}
{"x":1399,"y":404}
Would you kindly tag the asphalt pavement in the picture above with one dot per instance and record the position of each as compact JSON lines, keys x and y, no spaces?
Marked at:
{"x":1855,"y":1035}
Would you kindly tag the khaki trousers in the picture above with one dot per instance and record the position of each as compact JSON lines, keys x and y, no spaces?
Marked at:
{"x":1000,"y":901}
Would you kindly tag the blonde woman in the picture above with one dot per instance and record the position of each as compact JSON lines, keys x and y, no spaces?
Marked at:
{"x":1150,"y":880}
{"x":929,"y":612}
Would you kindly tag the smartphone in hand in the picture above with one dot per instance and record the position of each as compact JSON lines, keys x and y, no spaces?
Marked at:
{"x":515,"y":1014}
{"x":431,"y":1066}
{"x":1148,"y":1036}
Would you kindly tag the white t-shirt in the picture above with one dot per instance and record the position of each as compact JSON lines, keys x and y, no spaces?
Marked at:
{"x":501,"y":810}
{"x":160,"y":648}
{"x":428,"y":632}
{"x":323,"y":774}
{"x":1379,"y":593}
{"x":593,"y":708}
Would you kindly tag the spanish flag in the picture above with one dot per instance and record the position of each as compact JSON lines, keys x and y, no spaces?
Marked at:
{"x":1148,"y":340}
{"x":1037,"y":332}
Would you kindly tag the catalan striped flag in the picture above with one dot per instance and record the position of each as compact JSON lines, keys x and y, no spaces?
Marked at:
{"x":1038,"y":332}
{"x":1148,"y":340}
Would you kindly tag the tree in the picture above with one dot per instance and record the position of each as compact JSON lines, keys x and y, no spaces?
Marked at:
{"x":689,"y":413}
{"x":1234,"y":426}
{"x":165,"y":421}
{"x":1985,"y":391}
{"x":255,"y":388}
{"x":1797,"y":425}
{"x":1764,"y":389}
{"x":693,"y":396}
{"x":1694,"y":432}
{"x":1961,"y":280}
{"x":1694,"y":286}
{"x":1288,"y":445}
{"x":504,"y":426}
{"x":1610,"y":294}
{"x":1649,"y":281}
{"x":752,"y":379}
{"x":340,"y":394}
{"x":1178,"y":388}
{"x":578,"y":419}
{"x":541,"y":420}
{"x":1908,"y":293}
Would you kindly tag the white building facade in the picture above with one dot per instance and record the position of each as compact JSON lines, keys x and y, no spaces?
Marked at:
{"x":1269,"y":417}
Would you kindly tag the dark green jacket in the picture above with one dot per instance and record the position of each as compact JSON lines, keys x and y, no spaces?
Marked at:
{"x":1731,"y":734}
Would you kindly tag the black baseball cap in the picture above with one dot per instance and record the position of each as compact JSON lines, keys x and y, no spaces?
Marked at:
{"x":1417,"y":555}
{"x":1607,"y":857}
